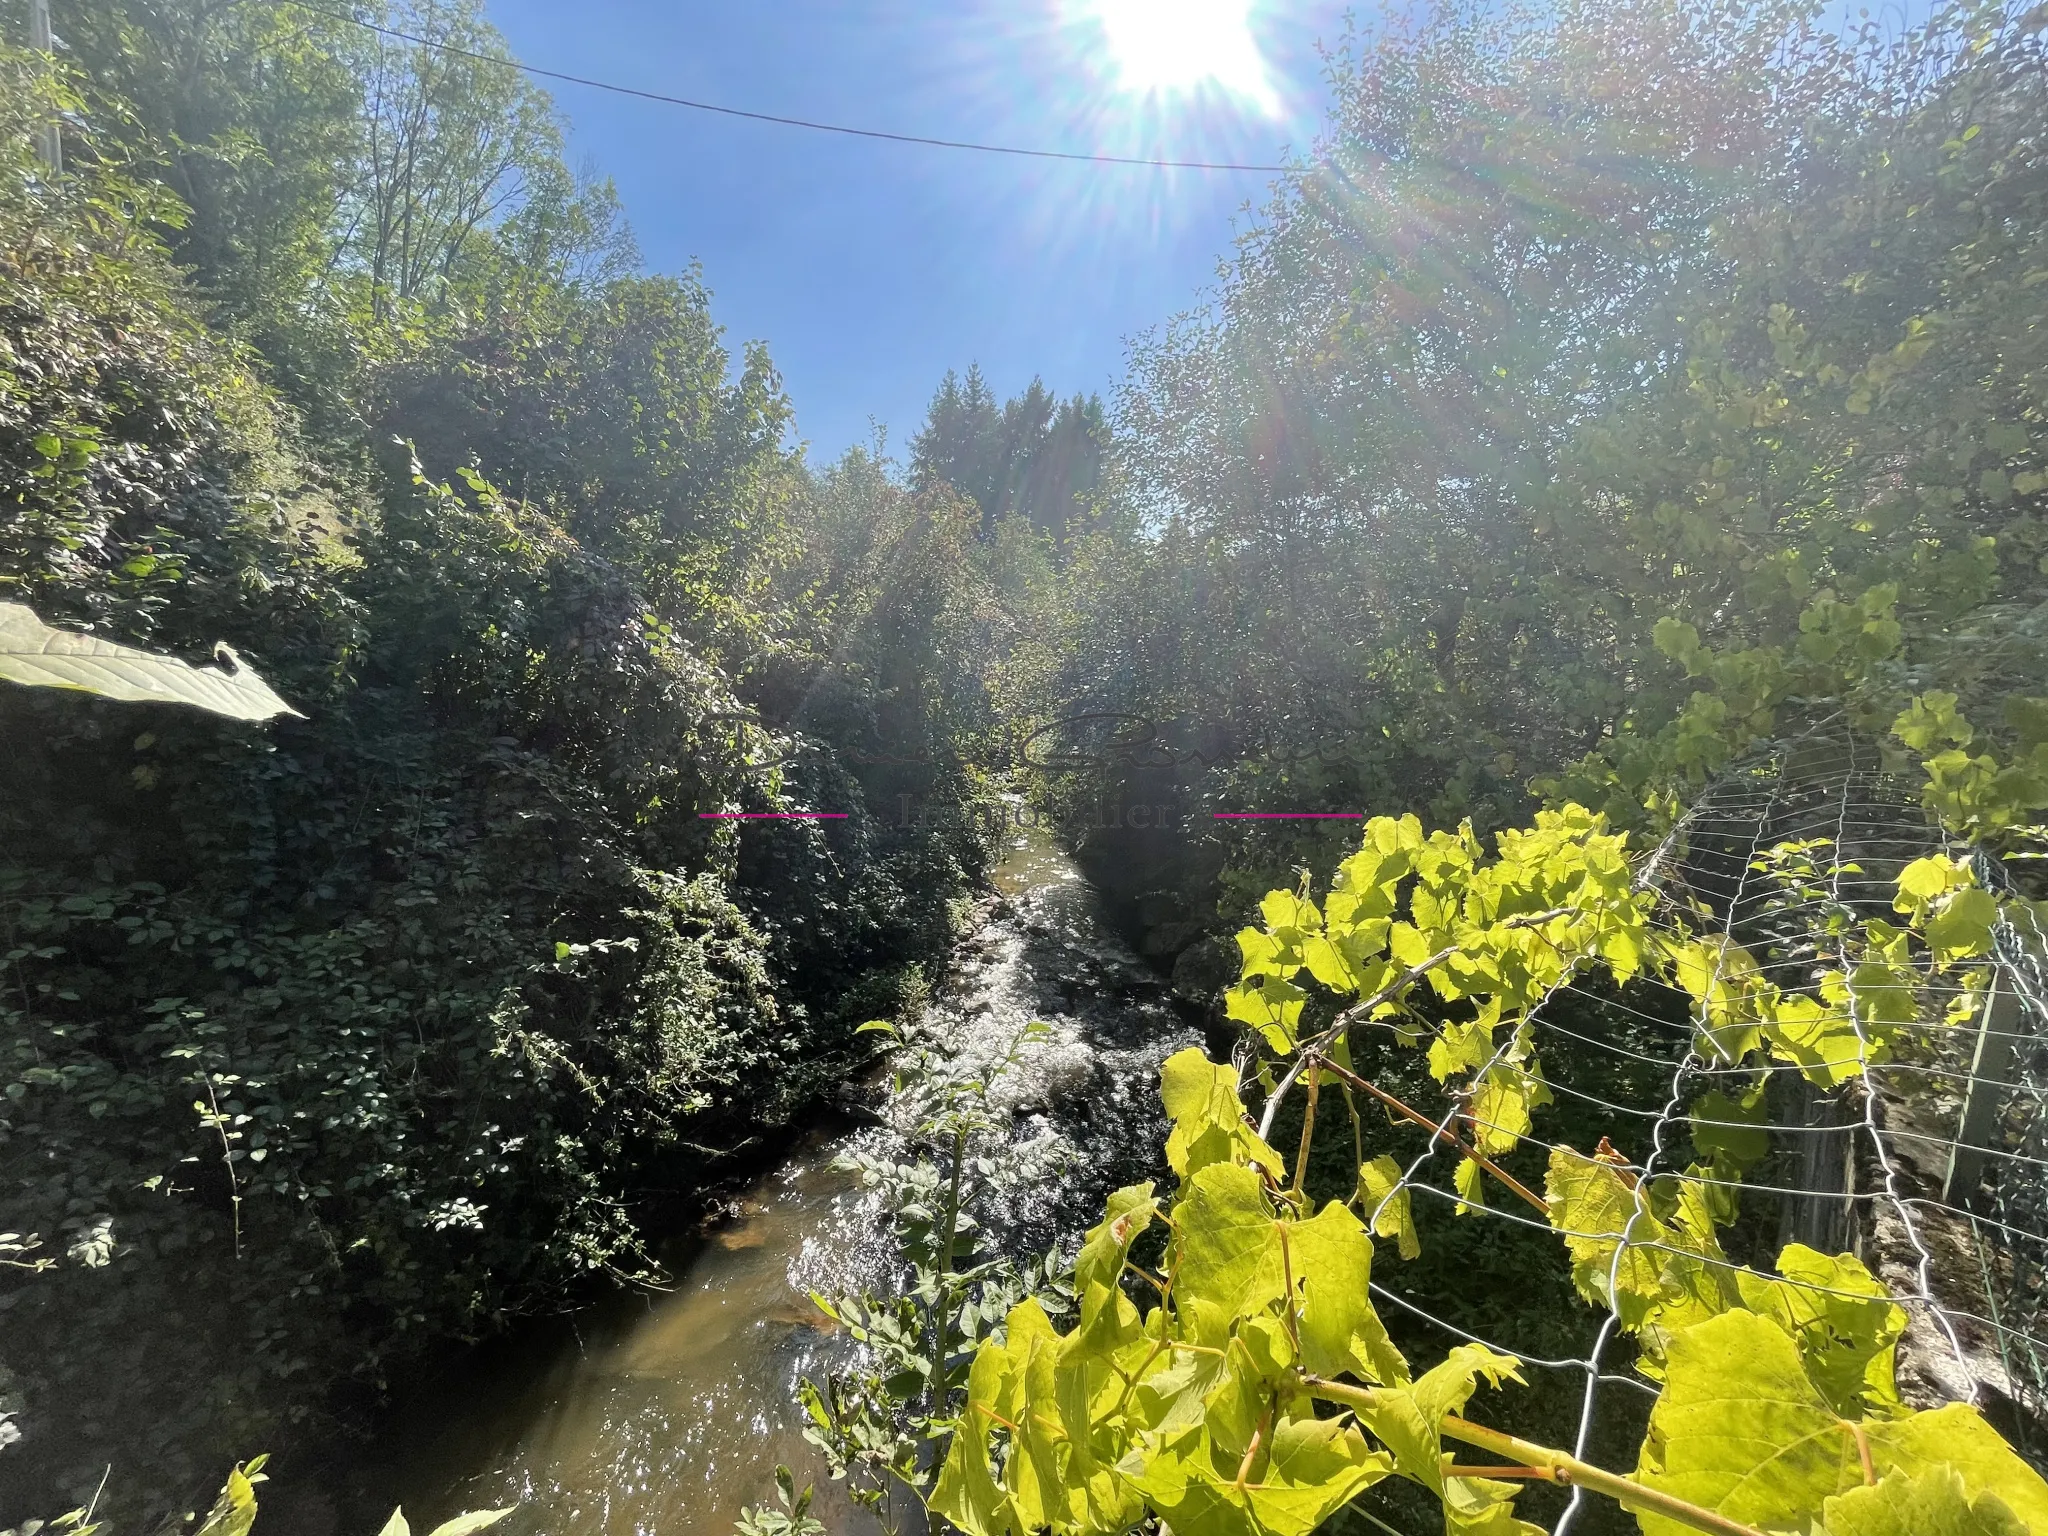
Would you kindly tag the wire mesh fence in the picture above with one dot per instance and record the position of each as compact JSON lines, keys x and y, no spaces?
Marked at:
{"x":1929,"y":1162}
{"x":2011,"y":1065}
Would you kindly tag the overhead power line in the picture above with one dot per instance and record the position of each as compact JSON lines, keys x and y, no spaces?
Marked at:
{"x":788,"y":122}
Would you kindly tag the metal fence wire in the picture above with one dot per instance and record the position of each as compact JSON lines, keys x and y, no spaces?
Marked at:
{"x":2012,"y":1250}
{"x":1930,"y":1164}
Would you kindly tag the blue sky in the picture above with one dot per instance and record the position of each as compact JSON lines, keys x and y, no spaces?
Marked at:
{"x":871,"y":268}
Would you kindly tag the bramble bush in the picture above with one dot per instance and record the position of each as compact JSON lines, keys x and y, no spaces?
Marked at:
{"x":327,"y":1041}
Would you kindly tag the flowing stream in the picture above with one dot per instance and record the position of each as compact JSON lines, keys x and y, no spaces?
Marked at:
{"x":667,"y":1417}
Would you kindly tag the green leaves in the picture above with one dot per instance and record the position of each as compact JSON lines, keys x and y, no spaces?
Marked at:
{"x":1678,"y":640}
{"x":1456,"y":946}
{"x":1384,"y":1199}
{"x":1931,"y":722}
{"x":1314,"y":1468}
{"x":1733,"y":1131}
{"x":1209,"y":1123}
{"x":1842,"y":1319}
{"x":793,"y":1518}
{"x":1937,"y":1504}
{"x":1742,"y":1430}
{"x":1779,"y":1409}
{"x":1272,"y":1005}
{"x":234,"y":1512}
{"x":1769,"y":1463}
{"x":1229,"y":1251}
{"x":1328,"y":1259}
{"x":1198,"y":1412}
{"x":1410,"y":1422}
{"x":1663,"y":1274}
{"x":33,"y":654}
{"x":1488,"y":937}
{"x":1127,"y":1214}
{"x":1656,"y":1272}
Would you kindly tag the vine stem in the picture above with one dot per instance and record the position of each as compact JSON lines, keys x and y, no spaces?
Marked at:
{"x":941,"y":1311}
{"x":1313,"y":1049}
{"x":1341,"y":1026}
{"x":227,"y":1161}
{"x":1352,"y":1079}
{"x":1554,"y":1465}
{"x":1308,"y":1128}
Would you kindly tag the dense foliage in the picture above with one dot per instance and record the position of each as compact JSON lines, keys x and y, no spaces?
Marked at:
{"x":1618,"y":389}
{"x":1580,"y":320}
{"x":1236,"y":1379}
{"x":1621,"y":392}
{"x":329,"y":1039}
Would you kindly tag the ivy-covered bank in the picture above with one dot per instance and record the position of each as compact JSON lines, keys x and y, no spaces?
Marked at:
{"x":325,"y":1041}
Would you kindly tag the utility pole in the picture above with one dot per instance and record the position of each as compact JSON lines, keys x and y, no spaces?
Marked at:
{"x":49,"y":146}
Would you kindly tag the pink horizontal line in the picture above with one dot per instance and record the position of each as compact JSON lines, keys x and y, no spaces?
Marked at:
{"x":1288,"y":815}
{"x":772,"y":815}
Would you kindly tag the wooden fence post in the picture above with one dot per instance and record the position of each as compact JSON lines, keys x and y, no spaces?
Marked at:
{"x":1991,"y":1072}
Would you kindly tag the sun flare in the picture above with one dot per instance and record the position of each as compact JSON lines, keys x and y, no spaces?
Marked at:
{"x":1179,"y":45}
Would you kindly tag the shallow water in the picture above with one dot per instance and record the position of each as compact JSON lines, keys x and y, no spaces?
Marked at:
{"x":668,"y":1417}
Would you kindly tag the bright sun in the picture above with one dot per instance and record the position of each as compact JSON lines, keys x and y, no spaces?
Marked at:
{"x":1169,"y":45}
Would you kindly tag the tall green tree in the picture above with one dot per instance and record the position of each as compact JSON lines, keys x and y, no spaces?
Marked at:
{"x":251,"y":113}
{"x":457,"y":145}
{"x":1033,"y":456}
{"x":1581,"y":319}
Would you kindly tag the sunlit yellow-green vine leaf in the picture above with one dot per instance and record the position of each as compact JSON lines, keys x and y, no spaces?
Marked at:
{"x":1329,"y":1258}
{"x":1936,"y":1504}
{"x":1962,"y":928}
{"x":1742,"y":1430}
{"x":1958,"y":1436}
{"x":1717,"y":973}
{"x":1384,"y":1198}
{"x":1464,"y":1045}
{"x":1819,"y":1034}
{"x":1842,"y":1318}
{"x":1314,"y":1468}
{"x":234,"y":1512}
{"x":1656,"y":1274}
{"x":1503,"y":1105}
{"x":1229,"y":1249}
{"x":966,"y":1492}
{"x":1208,"y":1117}
{"x":1733,"y":1131}
{"x":1270,"y":1004}
{"x":1108,"y":1319}
{"x":1766,"y":1463}
{"x":1469,"y":1179}
{"x":1125,"y":1215}
{"x":1409,"y":1422}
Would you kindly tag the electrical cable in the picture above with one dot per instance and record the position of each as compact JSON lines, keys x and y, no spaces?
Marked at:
{"x":791,"y":122}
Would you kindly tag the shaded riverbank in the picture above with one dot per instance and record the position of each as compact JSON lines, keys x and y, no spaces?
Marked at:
{"x":666,"y":1414}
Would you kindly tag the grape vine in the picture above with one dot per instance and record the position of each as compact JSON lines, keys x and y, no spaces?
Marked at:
{"x":1247,"y":1387}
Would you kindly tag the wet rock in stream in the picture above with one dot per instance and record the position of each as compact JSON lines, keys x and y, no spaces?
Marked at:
{"x":1088,"y":1095}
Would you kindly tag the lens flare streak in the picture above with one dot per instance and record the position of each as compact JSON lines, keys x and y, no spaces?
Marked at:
{"x":1163,"y":46}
